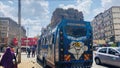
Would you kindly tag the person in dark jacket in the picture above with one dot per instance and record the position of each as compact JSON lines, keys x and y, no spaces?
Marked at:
{"x":33,"y":51}
{"x":28,"y":51}
{"x":8,"y":59}
{"x":16,"y":52}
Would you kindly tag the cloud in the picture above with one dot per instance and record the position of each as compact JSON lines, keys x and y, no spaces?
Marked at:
{"x":98,"y":10}
{"x":33,"y":27}
{"x":35,"y":9}
{"x":8,"y":11}
{"x":67,"y":6}
{"x":108,"y":3}
{"x":28,"y":2}
{"x":31,"y":23}
{"x":80,"y":5}
{"x":105,"y":2}
{"x":11,"y":2}
{"x":84,"y":5}
{"x":43,"y":3}
{"x":34,"y":14}
{"x":33,"y":31}
{"x":105,"y":5}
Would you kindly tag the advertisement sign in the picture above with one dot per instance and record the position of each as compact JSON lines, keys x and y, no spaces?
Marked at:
{"x":26,"y":41}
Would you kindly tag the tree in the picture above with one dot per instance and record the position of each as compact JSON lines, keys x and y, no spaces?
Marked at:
{"x":113,"y":45}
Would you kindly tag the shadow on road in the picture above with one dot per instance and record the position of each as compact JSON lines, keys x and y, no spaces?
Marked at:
{"x":109,"y":66}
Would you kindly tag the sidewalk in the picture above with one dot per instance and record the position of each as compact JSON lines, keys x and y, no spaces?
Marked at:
{"x":27,"y":62}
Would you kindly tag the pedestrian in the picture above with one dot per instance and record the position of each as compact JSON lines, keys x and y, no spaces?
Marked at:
{"x":12,"y":49}
{"x":16,"y":52}
{"x":33,"y":51}
{"x":8,"y":59}
{"x":28,"y":52}
{"x":1,"y":49}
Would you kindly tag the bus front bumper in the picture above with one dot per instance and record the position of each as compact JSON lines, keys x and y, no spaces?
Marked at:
{"x":81,"y":64}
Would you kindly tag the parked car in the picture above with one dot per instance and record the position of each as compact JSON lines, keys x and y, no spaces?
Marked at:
{"x":108,"y":55}
{"x":95,"y":48}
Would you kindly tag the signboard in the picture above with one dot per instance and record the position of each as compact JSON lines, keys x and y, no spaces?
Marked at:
{"x":26,"y":41}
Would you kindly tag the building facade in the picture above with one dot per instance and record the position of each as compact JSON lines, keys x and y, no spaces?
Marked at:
{"x":9,"y":30}
{"x":106,"y":25}
{"x":61,"y":13}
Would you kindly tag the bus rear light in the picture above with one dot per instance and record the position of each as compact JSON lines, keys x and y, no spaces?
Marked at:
{"x":67,"y":57}
{"x":87,"y":56}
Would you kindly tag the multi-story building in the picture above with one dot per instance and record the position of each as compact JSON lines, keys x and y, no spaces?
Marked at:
{"x":60,"y":13}
{"x":97,"y":23}
{"x":106,"y":25}
{"x":9,"y":30}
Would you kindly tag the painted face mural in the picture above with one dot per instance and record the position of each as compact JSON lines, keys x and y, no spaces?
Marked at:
{"x":77,"y":49}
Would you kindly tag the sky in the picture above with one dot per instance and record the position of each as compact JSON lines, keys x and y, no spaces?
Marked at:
{"x":36,"y":14}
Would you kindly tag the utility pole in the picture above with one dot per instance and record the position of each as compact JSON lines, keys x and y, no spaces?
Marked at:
{"x":19,"y":38}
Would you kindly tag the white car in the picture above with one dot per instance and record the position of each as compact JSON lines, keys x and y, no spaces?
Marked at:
{"x":108,"y":55}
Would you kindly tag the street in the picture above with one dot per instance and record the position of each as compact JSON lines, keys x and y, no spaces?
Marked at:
{"x":31,"y":63}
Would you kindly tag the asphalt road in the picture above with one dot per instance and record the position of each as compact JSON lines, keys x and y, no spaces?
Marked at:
{"x":100,"y":66}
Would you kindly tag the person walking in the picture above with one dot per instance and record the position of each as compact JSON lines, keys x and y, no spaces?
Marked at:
{"x":17,"y":52}
{"x":28,"y":52}
{"x":12,"y":49}
{"x":33,"y":51}
{"x":8,"y":59}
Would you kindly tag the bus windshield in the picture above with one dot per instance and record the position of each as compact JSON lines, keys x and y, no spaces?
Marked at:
{"x":75,"y":31}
